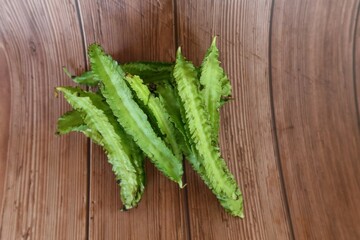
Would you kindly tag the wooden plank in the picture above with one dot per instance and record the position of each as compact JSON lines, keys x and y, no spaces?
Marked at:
{"x":247,"y":137}
{"x":43,"y":178}
{"x":130,"y":31}
{"x":312,"y":56}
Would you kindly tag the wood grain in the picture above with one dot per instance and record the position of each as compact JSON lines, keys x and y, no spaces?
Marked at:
{"x":40,"y":173}
{"x":312,"y":44}
{"x":247,"y":138}
{"x":133,"y":31}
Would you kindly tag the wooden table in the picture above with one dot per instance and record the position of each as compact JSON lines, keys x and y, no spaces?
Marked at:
{"x":291,"y":135}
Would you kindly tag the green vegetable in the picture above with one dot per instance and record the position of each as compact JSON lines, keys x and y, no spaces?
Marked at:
{"x":126,"y":164}
{"x":168,"y":97}
{"x":219,"y":178}
{"x":161,"y":110}
{"x":215,"y":84}
{"x":225,"y":90}
{"x":209,"y":77}
{"x":87,"y":78}
{"x":130,"y":116}
{"x":157,"y":109}
{"x":72,"y":122}
{"x":149,"y":72}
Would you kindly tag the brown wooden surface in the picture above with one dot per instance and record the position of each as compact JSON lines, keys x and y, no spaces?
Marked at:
{"x":43,"y":177}
{"x":315,"y":112}
{"x":291,"y":135}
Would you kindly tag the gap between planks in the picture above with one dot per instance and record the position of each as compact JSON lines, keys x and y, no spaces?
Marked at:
{"x":356,"y":94}
{"x":176,"y":41}
{"x":275,"y":135}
